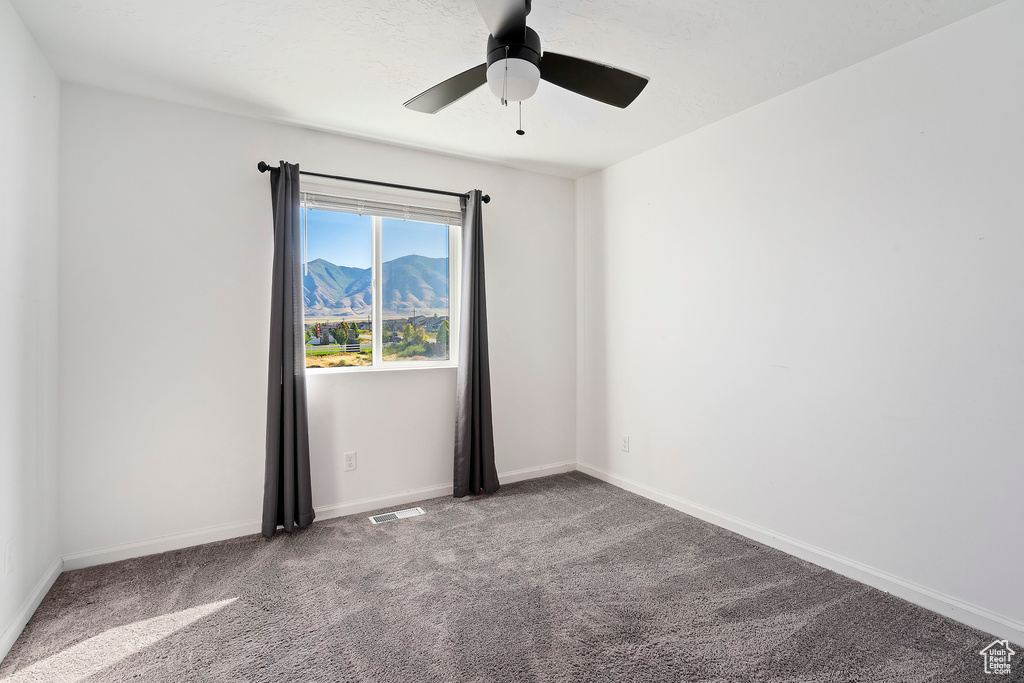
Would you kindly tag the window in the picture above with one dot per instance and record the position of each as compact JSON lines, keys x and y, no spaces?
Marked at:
{"x":379,"y":283}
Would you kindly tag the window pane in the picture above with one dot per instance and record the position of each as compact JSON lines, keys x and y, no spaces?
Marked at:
{"x":414,"y":291}
{"x":337,"y":289}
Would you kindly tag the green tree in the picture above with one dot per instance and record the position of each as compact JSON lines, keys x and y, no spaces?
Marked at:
{"x":443,"y":333}
{"x":407,"y":332}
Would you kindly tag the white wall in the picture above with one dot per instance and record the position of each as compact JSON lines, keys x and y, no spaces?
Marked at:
{"x":808,"y":316}
{"x":29,"y":119}
{"x":166,"y":255}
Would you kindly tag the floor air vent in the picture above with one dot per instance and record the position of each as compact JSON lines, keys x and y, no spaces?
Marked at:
{"x":401,"y":514}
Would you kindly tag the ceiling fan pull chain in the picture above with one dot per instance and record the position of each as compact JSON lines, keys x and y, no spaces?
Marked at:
{"x":504,"y":87}
{"x":520,"y":131}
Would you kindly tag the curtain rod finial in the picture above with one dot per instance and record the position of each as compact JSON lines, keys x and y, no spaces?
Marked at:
{"x":486,"y":198}
{"x":262,"y":166}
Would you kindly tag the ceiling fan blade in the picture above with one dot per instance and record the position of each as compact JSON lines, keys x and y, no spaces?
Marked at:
{"x":504,"y":18}
{"x":597,"y":81}
{"x":455,"y":88}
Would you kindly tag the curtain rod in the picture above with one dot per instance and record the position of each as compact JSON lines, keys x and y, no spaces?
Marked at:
{"x":264,"y":167}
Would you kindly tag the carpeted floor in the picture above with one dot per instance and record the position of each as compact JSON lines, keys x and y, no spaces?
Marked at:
{"x":557,"y":579}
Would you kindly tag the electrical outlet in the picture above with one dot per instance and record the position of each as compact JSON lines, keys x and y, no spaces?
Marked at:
{"x":350,"y":461}
{"x":9,"y":557}
{"x":625,"y":444}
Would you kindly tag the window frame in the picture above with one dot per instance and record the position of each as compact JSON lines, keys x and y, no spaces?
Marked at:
{"x":377,"y":362}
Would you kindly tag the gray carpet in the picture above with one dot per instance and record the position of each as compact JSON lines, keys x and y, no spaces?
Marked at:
{"x":557,"y":579}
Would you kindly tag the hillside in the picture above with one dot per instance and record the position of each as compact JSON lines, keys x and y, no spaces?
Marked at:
{"x":410,"y":283}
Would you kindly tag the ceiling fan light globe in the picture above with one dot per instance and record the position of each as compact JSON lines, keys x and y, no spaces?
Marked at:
{"x":521,"y":84}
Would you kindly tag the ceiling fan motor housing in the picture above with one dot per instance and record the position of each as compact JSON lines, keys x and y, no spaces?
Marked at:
{"x":513,"y":65}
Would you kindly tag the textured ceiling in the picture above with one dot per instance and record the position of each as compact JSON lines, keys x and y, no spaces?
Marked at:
{"x":348,"y":65}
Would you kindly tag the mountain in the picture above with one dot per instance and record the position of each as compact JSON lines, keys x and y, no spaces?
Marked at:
{"x":326,"y":284}
{"x":410,"y":283}
{"x":415,"y":282}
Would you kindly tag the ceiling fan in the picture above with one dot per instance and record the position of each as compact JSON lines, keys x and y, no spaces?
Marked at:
{"x":515,"y":65}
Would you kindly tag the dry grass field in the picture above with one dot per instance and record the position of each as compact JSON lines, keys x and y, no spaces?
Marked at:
{"x":337,"y":360}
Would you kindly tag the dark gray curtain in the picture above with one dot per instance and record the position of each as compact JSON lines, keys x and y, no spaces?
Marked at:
{"x":474,"y":437}
{"x":287,"y":494}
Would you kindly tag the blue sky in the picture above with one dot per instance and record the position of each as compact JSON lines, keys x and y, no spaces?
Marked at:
{"x":401,"y":238}
{"x":341,"y":238}
{"x":344,"y":239}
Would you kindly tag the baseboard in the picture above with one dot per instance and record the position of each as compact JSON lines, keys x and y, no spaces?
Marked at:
{"x":367,"y":504}
{"x":162,"y":544}
{"x":534,"y":472}
{"x":28,"y":608}
{"x":954,"y":608}
{"x":159,"y":544}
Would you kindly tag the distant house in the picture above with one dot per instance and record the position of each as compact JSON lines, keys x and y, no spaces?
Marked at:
{"x":430,"y":323}
{"x":433,"y":324}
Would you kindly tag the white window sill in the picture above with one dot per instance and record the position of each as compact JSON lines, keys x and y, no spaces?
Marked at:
{"x":390,"y":367}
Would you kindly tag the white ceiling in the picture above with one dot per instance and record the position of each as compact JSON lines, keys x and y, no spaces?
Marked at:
{"x":348,"y":65}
